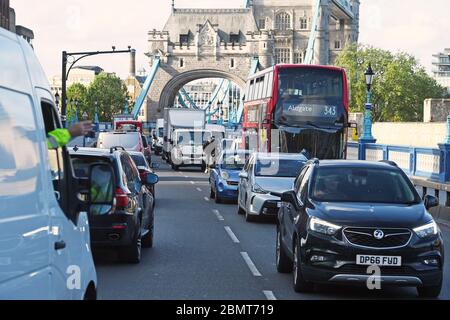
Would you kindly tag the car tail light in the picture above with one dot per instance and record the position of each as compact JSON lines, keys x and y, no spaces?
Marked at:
{"x":121,"y":198}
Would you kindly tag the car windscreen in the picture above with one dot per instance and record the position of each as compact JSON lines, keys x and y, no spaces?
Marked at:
{"x":371,"y":185}
{"x":128,"y":140}
{"x":161,"y":132}
{"x":139,"y":161}
{"x":282,"y":168}
{"x":234,"y":161}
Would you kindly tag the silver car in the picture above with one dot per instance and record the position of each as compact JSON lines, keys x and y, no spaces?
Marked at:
{"x":264,"y":174}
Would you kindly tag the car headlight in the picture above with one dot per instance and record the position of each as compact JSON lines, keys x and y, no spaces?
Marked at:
{"x":430,"y":229}
{"x":323,"y":227}
{"x":225,"y":175}
{"x":257,"y":189}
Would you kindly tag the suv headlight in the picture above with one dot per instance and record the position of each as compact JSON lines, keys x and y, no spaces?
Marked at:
{"x":430,"y":229}
{"x":323,"y":227}
{"x":225,"y":175}
{"x":257,"y":189}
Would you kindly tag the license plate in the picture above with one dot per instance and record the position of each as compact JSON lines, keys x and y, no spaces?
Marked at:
{"x":382,"y":261}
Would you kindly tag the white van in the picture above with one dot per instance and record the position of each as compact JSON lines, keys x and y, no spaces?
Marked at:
{"x":44,"y":232}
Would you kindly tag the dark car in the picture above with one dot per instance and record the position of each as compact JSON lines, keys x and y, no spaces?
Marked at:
{"x":130,"y":224}
{"x":351,"y":222}
{"x":144,"y":169}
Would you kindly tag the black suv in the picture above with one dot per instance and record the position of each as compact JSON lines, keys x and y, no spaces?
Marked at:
{"x":355,"y":221}
{"x":130,"y":224}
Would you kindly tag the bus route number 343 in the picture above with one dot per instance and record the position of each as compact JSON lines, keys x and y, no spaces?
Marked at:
{"x":330,"y":111}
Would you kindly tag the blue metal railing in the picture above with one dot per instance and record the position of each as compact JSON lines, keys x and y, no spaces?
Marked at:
{"x":416,"y":162}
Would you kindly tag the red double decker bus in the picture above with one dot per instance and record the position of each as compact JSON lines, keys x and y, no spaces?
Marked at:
{"x":297,"y":108}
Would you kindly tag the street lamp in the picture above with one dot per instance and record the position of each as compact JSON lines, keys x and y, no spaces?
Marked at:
{"x":96,"y":120}
{"x":367,"y":136}
{"x":85,"y":117}
{"x":76,"y":110}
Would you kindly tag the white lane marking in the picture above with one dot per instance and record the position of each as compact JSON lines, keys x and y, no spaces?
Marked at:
{"x":206,"y":199}
{"x":186,"y":177}
{"x":250,"y":264}
{"x":199,"y":190}
{"x":232,"y":235}
{"x":192,"y":182}
{"x":218,"y":215}
{"x":270,"y":296}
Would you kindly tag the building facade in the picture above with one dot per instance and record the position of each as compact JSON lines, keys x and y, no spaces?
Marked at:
{"x":82,"y":74}
{"x":221,"y":43}
{"x":8,"y":21}
{"x":441,"y":68}
{"x":4,"y":14}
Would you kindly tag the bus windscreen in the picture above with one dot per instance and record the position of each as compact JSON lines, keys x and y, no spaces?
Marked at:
{"x":310,"y":95}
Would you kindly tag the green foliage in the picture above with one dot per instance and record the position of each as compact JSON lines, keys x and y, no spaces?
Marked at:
{"x":400,"y":86}
{"x":78,"y":92}
{"x":107,"y":90}
{"x":111,"y":95}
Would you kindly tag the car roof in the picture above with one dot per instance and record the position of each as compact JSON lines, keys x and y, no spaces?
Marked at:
{"x":135,"y":153}
{"x":93,"y":152}
{"x":282,"y":156}
{"x":119,"y":132}
{"x":355,"y":163}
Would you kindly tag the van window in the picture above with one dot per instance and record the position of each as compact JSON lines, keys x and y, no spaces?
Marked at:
{"x":20,"y":175}
{"x":55,"y":156}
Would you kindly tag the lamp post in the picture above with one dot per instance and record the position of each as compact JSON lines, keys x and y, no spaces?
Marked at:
{"x":67,"y":66}
{"x":76,"y":110}
{"x":96,"y":120}
{"x":85,"y":117}
{"x":367,"y":136}
{"x":57,"y":97}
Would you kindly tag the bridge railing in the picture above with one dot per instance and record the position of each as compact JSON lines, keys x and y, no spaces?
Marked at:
{"x":416,"y":162}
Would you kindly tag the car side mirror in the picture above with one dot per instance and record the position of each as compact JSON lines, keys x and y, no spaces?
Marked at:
{"x":289,"y":197}
{"x":101,"y":189}
{"x":243,"y":175}
{"x":431,"y":202}
{"x":151,"y":179}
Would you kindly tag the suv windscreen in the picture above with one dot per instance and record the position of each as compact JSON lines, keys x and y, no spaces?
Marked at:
{"x":281,"y":168}
{"x":139,"y":161}
{"x":371,"y":185}
{"x":126,"y":140}
{"x":192,"y":137}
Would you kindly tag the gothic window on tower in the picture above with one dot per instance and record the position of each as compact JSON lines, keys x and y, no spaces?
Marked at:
{"x":262,"y":24}
{"x":234,"y":38}
{"x":283,"y":21}
{"x":184,"y":39}
{"x":282,"y":55}
{"x":337,"y":45}
{"x":303,"y":23}
{"x":298,"y":57}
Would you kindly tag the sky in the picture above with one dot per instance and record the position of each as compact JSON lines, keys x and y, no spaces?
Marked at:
{"x":417,"y":27}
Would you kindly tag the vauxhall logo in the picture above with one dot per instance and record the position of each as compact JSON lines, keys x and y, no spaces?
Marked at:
{"x":378,"y":234}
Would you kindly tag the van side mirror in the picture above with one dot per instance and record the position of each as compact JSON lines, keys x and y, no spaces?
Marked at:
{"x":101,"y":189}
{"x":431,"y":202}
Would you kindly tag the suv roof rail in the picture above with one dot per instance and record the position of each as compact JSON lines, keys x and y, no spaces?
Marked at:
{"x":391,"y":163}
{"x":116,"y":149}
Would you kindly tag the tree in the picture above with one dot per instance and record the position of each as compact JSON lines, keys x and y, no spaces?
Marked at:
{"x":78,"y":92}
{"x":111,"y":95}
{"x":400,"y":86}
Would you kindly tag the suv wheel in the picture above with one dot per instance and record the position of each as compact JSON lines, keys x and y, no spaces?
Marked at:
{"x":132,"y":253}
{"x":284,"y":264}
{"x":300,"y":285}
{"x":175,"y":168}
{"x":249,"y":217}
{"x":430,"y":292}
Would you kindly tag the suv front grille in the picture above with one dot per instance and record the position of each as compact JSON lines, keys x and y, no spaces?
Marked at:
{"x":365,"y":237}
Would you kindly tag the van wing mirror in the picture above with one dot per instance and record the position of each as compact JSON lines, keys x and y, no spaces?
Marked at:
{"x":101,"y":189}
{"x":151,"y":179}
